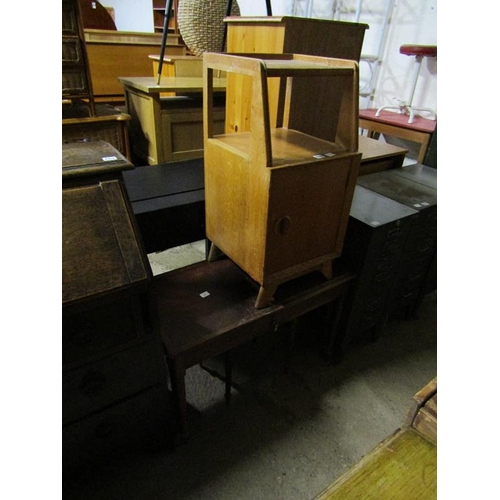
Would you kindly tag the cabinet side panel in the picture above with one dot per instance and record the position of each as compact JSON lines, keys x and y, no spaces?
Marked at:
{"x":265,"y":38}
{"x":236,"y":207}
{"x":144,"y":129}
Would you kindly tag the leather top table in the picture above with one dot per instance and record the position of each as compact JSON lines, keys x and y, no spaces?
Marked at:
{"x":206,"y":309}
{"x":397,"y":125}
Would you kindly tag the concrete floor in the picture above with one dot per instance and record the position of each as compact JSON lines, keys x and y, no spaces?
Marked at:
{"x":284,"y":435}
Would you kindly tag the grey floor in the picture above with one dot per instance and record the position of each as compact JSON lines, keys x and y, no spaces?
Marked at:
{"x":285,"y":435}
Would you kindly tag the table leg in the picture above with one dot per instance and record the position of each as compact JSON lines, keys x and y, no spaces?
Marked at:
{"x":178,"y":376}
{"x":291,"y":343}
{"x":334,"y":321}
{"x":228,"y":377}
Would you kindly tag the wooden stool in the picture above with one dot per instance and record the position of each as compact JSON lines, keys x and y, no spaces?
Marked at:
{"x":419,"y":51}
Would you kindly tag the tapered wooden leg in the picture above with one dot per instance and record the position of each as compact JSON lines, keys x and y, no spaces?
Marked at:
{"x":265,"y":296}
{"x":327,"y":270}
{"x":214,"y":253}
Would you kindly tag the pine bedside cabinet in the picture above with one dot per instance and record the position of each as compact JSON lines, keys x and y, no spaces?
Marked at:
{"x":277,"y":199}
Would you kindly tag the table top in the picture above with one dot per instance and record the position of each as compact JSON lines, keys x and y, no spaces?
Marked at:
{"x":377,"y":210}
{"x":149,"y":85}
{"x":422,"y":174}
{"x":399,"y":120}
{"x":371,"y":149}
{"x":173,"y":58}
{"x":90,"y":158}
{"x":407,"y":191}
{"x":157,"y":187}
{"x":208,"y":304}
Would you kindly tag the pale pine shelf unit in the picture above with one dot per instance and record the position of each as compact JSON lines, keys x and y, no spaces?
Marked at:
{"x":278,"y":194}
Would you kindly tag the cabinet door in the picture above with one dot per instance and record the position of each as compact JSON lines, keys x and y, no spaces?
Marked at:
{"x":308,"y":212}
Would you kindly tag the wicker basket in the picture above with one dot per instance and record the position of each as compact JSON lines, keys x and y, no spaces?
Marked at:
{"x":201,"y":24}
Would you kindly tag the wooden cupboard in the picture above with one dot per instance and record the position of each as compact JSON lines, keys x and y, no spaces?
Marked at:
{"x":278,"y":198}
{"x":286,"y":34}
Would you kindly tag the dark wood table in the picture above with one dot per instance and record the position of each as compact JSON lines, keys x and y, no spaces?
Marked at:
{"x":206,"y":309}
{"x":168,"y":202}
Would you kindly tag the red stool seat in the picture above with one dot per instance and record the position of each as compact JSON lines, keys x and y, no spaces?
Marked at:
{"x":419,"y":50}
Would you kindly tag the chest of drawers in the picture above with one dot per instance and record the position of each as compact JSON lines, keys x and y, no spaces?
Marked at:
{"x":114,"y":385}
{"x":391,"y":244}
{"x":375,"y":239}
{"x":416,"y":188}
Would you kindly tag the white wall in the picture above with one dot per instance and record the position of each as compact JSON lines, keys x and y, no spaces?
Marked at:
{"x":132,"y":15}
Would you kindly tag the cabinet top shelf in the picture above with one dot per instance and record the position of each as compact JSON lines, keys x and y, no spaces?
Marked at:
{"x":277,"y":65}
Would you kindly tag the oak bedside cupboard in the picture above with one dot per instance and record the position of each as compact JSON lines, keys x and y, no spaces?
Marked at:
{"x":285,"y":35}
{"x":278,"y":198}
{"x":114,"y":384}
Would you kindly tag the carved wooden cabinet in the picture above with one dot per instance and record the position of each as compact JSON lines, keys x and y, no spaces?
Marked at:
{"x":114,"y":385}
{"x":278,"y":197}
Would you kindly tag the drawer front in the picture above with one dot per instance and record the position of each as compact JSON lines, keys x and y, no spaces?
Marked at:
{"x":139,"y":423}
{"x":74,"y":81}
{"x":110,"y":379}
{"x":87,"y":333}
{"x":71,"y":50}
{"x":69,"y":23}
{"x":377,"y":270}
{"x":417,"y":258}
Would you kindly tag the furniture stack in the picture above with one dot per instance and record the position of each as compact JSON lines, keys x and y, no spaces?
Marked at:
{"x":114,"y":390}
